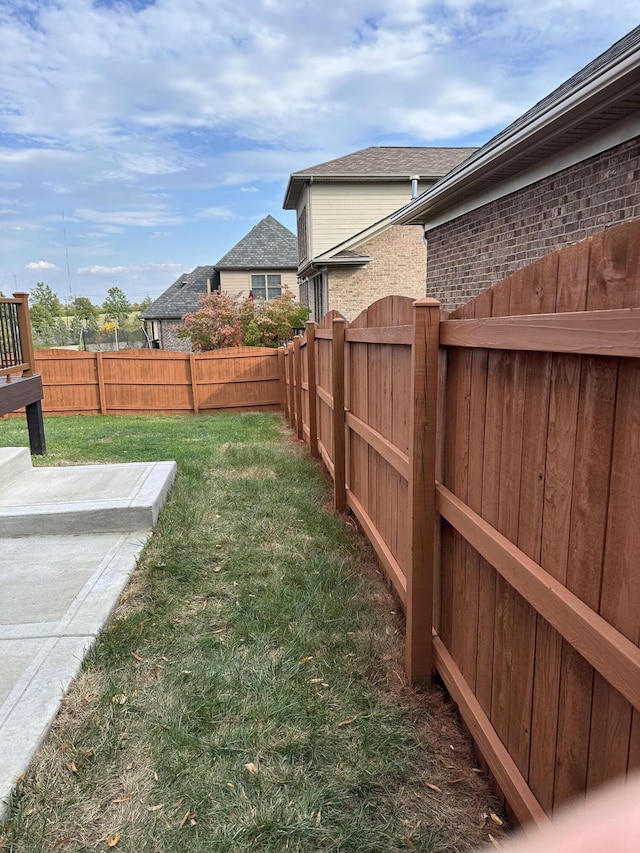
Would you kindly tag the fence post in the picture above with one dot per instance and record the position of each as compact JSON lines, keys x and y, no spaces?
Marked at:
{"x":283,"y":381}
{"x":102,"y":399}
{"x":292,"y":388}
{"x":194,"y":383}
{"x":422,"y":471}
{"x":337,"y":357}
{"x":311,"y":376}
{"x":24,"y":326}
{"x":297,"y":373}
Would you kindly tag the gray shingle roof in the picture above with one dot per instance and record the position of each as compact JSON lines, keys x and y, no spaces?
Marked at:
{"x":382,"y":162}
{"x":269,"y":245}
{"x":183,"y":296}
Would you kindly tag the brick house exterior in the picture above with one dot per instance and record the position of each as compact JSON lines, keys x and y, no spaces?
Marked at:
{"x":563,"y":171}
{"x":398,"y":262}
{"x":349,"y":252}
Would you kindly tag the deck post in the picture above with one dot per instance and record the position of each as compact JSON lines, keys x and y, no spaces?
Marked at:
{"x":35,"y":425}
{"x":422,"y":471}
{"x":26,"y":338}
{"x":339,"y":469}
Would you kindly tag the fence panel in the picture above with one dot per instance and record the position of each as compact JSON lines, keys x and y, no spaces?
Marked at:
{"x":379,"y":404}
{"x":142,"y":381}
{"x":538,"y":611}
{"x":548,"y":458}
{"x":324,"y":387}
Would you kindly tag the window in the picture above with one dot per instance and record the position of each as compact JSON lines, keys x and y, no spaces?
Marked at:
{"x":302,"y":235}
{"x":318,"y":295}
{"x":266,"y":286}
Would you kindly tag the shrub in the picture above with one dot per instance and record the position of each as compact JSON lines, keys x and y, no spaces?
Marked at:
{"x":226,"y":321}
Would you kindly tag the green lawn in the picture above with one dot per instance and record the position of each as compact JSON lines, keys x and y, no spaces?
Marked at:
{"x":248,"y":694}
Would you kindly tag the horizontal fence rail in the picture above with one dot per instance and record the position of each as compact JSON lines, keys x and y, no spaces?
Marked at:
{"x":518,"y":565}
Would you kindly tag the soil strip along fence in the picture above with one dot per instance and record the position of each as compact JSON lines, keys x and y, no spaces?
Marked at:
{"x":534,"y":568}
{"x":158,"y":381}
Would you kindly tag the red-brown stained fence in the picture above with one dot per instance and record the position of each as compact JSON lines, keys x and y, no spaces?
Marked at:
{"x":145,"y":381}
{"x":537,"y":581}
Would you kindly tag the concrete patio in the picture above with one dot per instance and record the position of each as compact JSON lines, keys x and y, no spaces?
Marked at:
{"x":69,"y":539}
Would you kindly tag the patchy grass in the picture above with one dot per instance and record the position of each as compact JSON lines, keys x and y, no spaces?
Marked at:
{"x":248,"y":693}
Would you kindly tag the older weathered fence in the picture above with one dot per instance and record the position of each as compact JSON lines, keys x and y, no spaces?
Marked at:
{"x":146,"y":381}
{"x":535,"y":573}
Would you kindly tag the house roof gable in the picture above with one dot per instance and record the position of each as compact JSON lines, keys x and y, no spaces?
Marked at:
{"x":269,"y":245}
{"x":183,"y":296}
{"x":378,"y":163}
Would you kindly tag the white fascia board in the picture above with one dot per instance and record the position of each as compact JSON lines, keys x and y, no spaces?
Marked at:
{"x":617,"y":134}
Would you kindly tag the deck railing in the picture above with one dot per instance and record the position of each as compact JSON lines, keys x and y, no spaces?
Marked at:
{"x":21,"y":385}
{"x":16,"y":344}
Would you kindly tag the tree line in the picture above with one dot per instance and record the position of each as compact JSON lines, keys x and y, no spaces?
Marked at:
{"x":55,"y":324}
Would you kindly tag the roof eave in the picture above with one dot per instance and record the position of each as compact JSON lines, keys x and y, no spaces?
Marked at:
{"x":612,"y":83}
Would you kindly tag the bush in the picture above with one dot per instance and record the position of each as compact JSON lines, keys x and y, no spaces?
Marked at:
{"x":225,"y":321}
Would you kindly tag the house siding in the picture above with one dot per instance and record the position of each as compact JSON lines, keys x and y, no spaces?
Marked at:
{"x":398,"y":268}
{"x":477,"y":250}
{"x":340,"y":210}
{"x":238,"y":283}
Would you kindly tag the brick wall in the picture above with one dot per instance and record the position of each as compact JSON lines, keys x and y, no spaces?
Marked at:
{"x":398,"y":268}
{"x":169,"y":340}
{"x":479,"y":249}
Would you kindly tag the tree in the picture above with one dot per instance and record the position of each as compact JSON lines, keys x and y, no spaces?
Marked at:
{"x":85,"y":310}
{"x":43,"y":296}
{"x":116,"y":306}
{"x":46,"y":317}
{"x":144,"y":303}
{"x":225,"y":321}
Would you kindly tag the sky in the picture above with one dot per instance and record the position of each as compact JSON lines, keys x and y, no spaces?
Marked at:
{"x":140,"y":139}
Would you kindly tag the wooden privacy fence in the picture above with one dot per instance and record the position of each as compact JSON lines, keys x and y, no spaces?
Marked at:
{"x":534,"y":569}
{"x":145,"y":381}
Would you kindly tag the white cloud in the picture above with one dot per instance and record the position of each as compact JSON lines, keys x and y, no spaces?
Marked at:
{"x":41,"y":265}
{"x":98,"y":270}
{"x":215,"y":213}
{"x":135,"y":218}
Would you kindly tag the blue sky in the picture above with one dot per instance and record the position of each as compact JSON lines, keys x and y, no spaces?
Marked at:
{"x":139,"y":139}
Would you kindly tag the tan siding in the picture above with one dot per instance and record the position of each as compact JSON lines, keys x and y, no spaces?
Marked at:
{"x":304,"y":207}
{"x":239,"y":282}
{"x":341,"y":210}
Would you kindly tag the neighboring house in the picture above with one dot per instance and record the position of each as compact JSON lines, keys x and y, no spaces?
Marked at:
{"x":183,"y":297}
{"x":350,"y":253}
{"x":566,"y":169}
{"x":263,"y":263}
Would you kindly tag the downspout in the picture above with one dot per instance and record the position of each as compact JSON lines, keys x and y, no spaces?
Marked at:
{"x":414,"y":186}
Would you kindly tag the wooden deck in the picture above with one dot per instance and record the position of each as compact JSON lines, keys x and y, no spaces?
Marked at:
{"x":25,"y":391}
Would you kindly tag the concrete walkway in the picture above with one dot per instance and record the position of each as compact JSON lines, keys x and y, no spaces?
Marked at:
{"x":69,"y":539}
